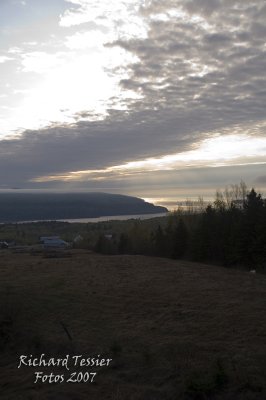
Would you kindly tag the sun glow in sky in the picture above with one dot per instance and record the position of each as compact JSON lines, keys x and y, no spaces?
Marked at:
{"x":103,"y":95}
{"x":72,"y":77}
{"x":75,"y":87}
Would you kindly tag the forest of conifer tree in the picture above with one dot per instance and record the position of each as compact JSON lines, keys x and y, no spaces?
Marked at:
{"x":231,"y":232}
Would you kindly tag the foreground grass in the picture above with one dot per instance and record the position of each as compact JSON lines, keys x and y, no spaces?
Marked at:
{"x":175,"y":330}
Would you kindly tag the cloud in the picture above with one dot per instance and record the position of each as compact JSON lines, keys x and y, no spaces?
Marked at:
{"x":202,"y":65}
{"x":4,"y":59}
{"x":40,"y":61}
{"x":119,"y":18}
{"x":21,"y":2}
{"x":261,"y":179}
{"x":219,"y":151}
{"x":15,"y":50}
{"x":115,"y":149}
{"x":71,"y":77}
{"x":185,"y":73}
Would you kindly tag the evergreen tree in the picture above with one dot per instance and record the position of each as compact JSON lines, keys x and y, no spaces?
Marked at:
{"x":159,"y":242}
{"x":253,"y":245}
{"x":124,"y":244}
{"x":180,"y":238}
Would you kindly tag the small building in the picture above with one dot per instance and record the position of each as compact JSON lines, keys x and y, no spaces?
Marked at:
{"x":77,"y":239}
{"x":54,"y":242}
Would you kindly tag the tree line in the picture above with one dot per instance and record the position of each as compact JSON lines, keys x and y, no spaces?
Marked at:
{"x":231,"y":231}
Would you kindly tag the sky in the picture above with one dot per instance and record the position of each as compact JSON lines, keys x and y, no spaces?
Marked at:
{"x":164,"y":100}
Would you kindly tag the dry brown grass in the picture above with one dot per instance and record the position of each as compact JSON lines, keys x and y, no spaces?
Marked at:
{"x":176,"y":330}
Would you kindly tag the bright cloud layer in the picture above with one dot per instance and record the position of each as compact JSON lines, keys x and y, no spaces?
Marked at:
{"x":215,"y":152}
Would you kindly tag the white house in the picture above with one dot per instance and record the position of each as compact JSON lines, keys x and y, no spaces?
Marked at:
{"x":53,"y":242}
{"x":3,"y":244}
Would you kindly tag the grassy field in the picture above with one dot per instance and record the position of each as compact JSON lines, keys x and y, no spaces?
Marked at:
{"x":174,"y":330}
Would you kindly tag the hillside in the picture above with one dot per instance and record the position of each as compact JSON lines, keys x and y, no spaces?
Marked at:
{"x":15,"y":207}
{"x":175,"y":330}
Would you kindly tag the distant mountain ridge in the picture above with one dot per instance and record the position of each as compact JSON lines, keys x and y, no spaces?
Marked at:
{"x":17,"y":207}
